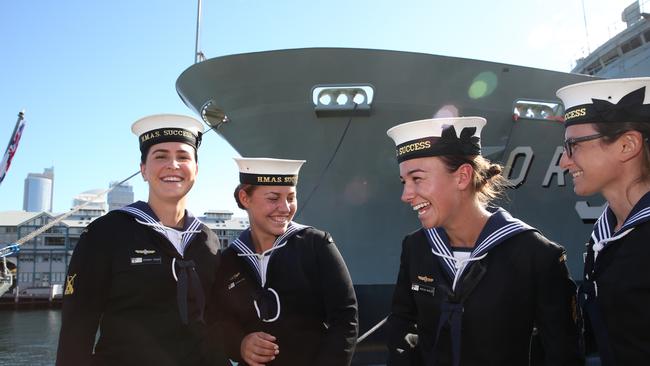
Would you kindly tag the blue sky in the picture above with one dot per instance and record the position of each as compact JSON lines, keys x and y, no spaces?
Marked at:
{"x":84,"y":71}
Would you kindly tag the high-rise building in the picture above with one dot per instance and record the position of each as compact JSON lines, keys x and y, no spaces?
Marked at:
{"x":120,"y":196}
{"x":39,"y":191}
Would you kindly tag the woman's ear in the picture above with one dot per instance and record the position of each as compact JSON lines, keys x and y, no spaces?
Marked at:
{"x":631,"y":144}
{"x":465,"y":173}
{"x":243,"y":198}
{"x":142,"y":167}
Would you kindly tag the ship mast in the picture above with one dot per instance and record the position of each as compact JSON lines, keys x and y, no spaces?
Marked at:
{"x":584,"y":17}
{"x":198,"y":54}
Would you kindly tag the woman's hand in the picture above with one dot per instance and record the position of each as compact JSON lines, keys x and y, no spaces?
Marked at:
{"x":258,"y":348}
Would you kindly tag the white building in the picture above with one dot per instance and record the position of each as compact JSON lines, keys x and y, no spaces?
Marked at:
{"x":224,"y":225}
{"x":94,"y":205}
{"x":42,"y":261}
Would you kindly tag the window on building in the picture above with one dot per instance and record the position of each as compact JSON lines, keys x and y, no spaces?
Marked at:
{"x":54,"y":241}
{"x":610,"y":57}
{"x":58,"y":277}
{"x":593,"y":68}
{"x":631,"y":44}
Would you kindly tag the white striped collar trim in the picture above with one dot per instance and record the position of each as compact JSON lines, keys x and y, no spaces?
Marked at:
{"x":244,"y":247}
{"x":145,"y":216}
{"x":499,"y":227}
{"x":603,"y":233}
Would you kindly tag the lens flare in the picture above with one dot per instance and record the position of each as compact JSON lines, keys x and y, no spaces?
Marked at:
{"x":446,"y":111}
{"x":483,"y":85}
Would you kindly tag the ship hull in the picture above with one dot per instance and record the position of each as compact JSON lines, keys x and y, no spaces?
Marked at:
{"x":350,"y":184}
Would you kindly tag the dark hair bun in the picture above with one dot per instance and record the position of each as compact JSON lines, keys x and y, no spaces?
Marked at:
{"x":493,"y":170}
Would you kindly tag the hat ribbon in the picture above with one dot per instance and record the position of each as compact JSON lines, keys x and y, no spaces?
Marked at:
{"x":629,"y":109}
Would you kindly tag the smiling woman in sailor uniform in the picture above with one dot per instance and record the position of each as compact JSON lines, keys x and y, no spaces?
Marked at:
{"x":284,"y":292}
{"x":474,"y":281}
{"x":606,"y":151}
{"x":139,"y":272}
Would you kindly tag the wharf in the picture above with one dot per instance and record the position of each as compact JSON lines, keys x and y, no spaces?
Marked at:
{"x":11,"y":302}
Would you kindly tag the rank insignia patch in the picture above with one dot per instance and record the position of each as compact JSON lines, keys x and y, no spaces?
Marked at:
{"x":69,"y":285}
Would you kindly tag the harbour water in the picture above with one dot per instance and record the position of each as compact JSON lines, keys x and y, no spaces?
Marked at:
{"x":29,"y":337}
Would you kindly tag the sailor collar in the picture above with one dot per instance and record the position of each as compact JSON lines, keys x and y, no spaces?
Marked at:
{"x":183,"y":271}
{"x":244,"y":247}
{"x":499,"y":227}
{"x":604,"y":232}
{"x":144,"y":215}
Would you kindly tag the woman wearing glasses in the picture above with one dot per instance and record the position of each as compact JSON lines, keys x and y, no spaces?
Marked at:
{"x":474,"y":281}
{"x":139,"y":273}
{"x":284,"y":292}
{"x":606,"y":151}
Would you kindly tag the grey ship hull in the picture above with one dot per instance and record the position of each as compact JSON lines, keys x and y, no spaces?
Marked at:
{"x":350,"y":183}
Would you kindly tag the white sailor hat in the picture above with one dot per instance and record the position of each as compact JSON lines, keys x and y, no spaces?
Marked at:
{"x":159,"y":128}
{"x":438,"y":136}
{"x":268,"y":171}
{"x":613,"y":100}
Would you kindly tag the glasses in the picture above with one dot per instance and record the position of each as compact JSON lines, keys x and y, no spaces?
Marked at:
{"x":571,"y":142}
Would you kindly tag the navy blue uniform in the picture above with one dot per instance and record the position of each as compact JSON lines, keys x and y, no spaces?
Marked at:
{"x":305,"y":297}
{"x":483,"y":312}
{"x":616,"y":287}
{"x":147,"y":299}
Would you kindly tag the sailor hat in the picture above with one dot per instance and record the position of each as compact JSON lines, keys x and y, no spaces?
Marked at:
{"x":160,"y":128}
{"x":268,"y":171}
{"x":613,"y":100}
{"x":438,"y":136}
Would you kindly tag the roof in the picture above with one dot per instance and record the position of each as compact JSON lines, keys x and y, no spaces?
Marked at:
{"x":78,"y":223}
{"x":15,"y":218}
{"x":236,"y":223}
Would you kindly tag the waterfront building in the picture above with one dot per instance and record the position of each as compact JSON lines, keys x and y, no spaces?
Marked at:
{"x":39,"y":191}
{"x":224,"y":225}
{"x":43,"y":261}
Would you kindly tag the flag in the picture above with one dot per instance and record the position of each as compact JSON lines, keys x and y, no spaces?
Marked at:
{"x":12,"y":147}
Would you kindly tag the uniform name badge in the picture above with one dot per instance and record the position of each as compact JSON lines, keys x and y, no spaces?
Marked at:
{"x":423,"y":288}
{"x":135,"y":261}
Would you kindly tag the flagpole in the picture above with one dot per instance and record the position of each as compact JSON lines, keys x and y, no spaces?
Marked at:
{"x":21,"y":116}
{"x":198,"y":54}
{"x":12,"y":146}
